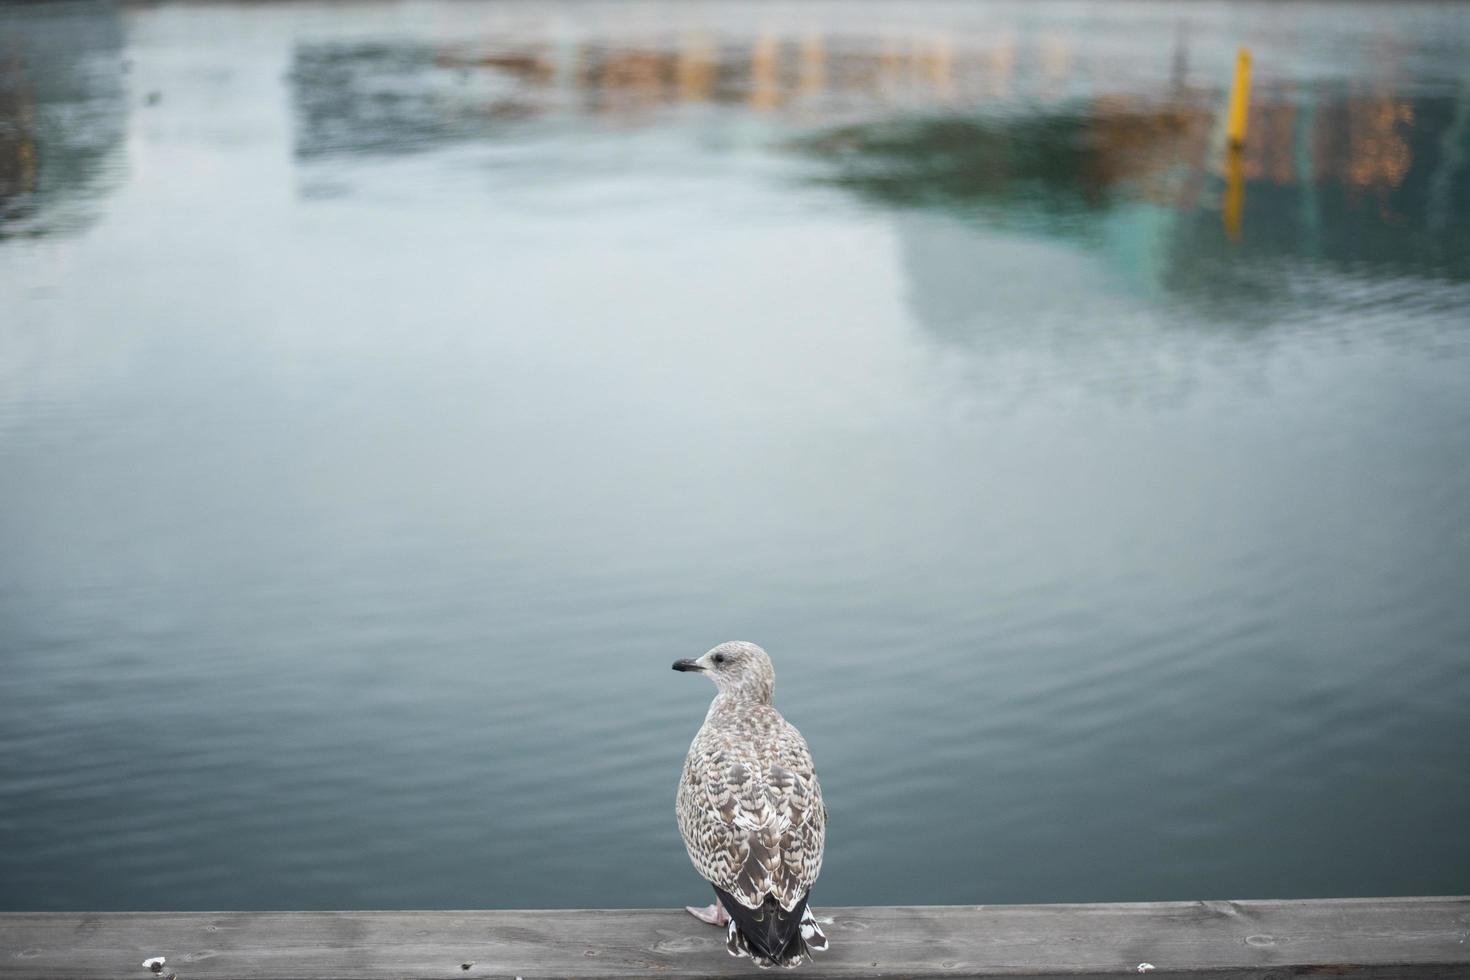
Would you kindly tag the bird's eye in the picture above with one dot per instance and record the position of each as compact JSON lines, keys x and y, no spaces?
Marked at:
{"x":719,"y":658}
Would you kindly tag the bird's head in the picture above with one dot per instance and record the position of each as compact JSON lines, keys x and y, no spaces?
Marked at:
{"x":740,"y":670}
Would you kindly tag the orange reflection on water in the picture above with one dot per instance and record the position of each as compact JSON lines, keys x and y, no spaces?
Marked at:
{"x":765,"y":92}
{"x":1378,"y":154}
{"x":1163,"y":146}
{"x":634,"y":79}
{"x":939,"y":60}
{"x":695,"y":68}
{"x":812,"y":76}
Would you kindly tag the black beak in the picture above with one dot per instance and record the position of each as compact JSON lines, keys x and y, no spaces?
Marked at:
{"x":686,"y":665}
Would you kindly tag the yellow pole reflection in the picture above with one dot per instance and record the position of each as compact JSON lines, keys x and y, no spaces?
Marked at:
{"x":1234,"y":201}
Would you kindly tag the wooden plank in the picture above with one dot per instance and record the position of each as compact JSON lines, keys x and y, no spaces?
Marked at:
{"x":1272,"y":940}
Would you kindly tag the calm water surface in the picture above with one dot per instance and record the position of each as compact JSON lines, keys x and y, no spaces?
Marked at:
{"x":389,"y":392}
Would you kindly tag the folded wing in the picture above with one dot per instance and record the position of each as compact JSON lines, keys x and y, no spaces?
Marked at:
{"x":752,"y":816}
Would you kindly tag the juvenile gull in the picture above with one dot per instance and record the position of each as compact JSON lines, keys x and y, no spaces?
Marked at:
{"x":751,"y":812}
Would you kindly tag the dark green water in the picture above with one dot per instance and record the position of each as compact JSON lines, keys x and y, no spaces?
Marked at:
{"x":390,"y":392}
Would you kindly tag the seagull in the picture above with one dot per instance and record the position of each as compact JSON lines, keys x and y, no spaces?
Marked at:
{"x":751,"y":812}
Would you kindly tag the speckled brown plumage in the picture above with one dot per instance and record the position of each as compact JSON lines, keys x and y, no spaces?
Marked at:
{"x":749,"y":804}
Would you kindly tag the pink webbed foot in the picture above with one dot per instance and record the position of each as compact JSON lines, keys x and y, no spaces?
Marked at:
{"x":714,"y":914}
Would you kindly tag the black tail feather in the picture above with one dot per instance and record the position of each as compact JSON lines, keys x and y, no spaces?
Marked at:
{"x":769,"y":931}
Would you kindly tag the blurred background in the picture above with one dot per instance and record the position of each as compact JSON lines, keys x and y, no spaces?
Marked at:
{"x":390,"y":391}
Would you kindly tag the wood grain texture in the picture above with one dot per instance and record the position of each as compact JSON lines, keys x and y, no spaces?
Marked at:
{"x":1387,"y":938}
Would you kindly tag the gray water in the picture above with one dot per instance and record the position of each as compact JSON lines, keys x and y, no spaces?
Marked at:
{"x":389,"y":392}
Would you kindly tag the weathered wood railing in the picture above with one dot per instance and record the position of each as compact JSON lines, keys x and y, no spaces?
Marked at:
{"x":1385,"y":937}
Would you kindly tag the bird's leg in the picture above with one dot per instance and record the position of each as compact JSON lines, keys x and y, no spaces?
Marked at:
{"x":714,"y":914}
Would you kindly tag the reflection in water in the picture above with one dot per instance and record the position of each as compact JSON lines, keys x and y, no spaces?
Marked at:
{"x":1347,"y":181}
{"x":442,"y":370}
{"x":1234,"y":192}
{"x":985,"y":129}
{"x":1360,"y":186}
{"x":1039,"y":172}
{"x":62,"y":112}
{"x":1339,"y":196}
{"x":371,"y":97}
